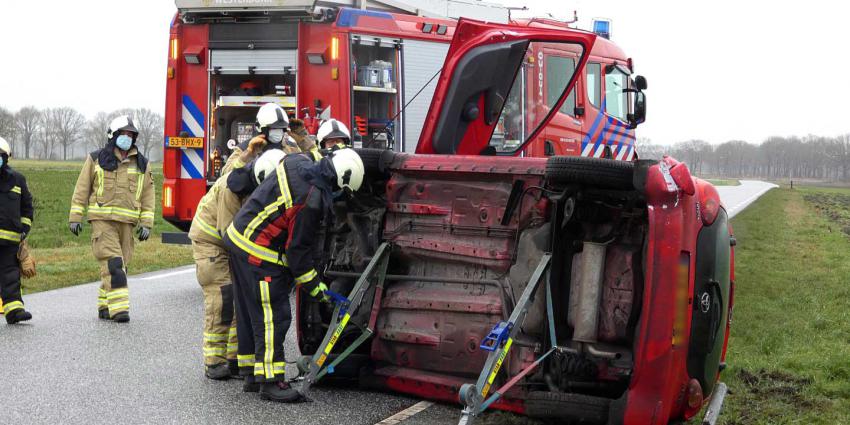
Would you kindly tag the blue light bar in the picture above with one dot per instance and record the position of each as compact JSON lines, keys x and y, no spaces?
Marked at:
{"x":602,"y":27}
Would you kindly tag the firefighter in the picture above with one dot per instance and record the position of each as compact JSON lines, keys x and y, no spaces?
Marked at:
{"x":333,"y":135}
{"x":116,"y":187}
{"x":271,"y":131}
{"x":214,"y":213}
{"x":272,"y":245}
{"x":15,"y":223}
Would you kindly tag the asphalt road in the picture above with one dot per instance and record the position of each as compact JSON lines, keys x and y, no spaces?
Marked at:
{"x":66,"y":366}
{"x":736,"y":198}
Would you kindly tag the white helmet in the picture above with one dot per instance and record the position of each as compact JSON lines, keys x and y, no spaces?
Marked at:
{"x":121,"y":122}
{"x":271,"y":115}
{"x":4,"y":147}
{"x":266,"y":163}
{"x":333,"y":129}
{"x":349,"y":169}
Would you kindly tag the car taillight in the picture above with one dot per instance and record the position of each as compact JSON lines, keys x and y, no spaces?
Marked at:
{"x":695,"y":398}
{"x":709,"y":203}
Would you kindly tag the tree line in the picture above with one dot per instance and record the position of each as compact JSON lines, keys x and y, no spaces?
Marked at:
{"x":808,"y":157}
{"x":64,"y":133}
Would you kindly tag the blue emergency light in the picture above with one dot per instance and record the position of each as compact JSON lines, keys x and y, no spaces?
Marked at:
{"x":602,"y":28}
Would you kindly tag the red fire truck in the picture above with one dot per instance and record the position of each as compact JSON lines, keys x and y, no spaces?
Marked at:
{"x":375,"y":69}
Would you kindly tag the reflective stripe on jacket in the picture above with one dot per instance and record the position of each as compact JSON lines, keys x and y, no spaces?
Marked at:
{"x":16,"y":211}
{"x":214,"y":213}
{"x":125,"y":195}
{"x":280,"y":222}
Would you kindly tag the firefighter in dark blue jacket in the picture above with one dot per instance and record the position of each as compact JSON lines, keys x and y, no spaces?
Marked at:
{"x":15,"y":223}
{"x":272,"y":242}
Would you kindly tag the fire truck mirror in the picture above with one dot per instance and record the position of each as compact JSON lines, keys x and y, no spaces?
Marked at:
{"x":640,"y":82}
{"x":639,"y":115}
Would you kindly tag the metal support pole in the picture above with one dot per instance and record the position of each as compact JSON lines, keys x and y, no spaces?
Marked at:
{"x":473,"y":395}
{"x":377,"y":269}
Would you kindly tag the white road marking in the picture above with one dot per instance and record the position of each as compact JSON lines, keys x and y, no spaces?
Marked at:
{"x":406,"y":413}
{"x":160,"y":276}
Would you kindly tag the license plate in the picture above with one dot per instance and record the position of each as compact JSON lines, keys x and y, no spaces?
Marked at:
{"x":185,"y":142}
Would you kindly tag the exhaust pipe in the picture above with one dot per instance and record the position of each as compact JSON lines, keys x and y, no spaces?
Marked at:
{"x":586,"y":325}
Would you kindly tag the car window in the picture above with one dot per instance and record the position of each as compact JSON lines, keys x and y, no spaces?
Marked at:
{"x":559,"y":70}
{"x":616,"y":99}
{"x":594,"y":77}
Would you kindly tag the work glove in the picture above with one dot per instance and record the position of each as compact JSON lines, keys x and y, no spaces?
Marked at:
{"x":319,"y":292}
{"x":26,"y":261}
{"x":23,"y":235}
{"x":144,"y":233}
{"x":28,"y":267}
{"x":75,"y":228}
{"x":257,"y":144}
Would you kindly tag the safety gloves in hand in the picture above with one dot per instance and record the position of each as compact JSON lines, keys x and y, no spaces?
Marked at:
{"x":319,"y":292}
{"x":75,"y":228}
{"x":257,"y":144}
{"x":144,"y":233}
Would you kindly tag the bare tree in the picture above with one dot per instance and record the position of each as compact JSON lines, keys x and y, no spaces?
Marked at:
{"x":8,"y":128}
{"x":64,"y":125}
{"x":28,"y":121}
{"x":94,"y":133}
{"x":150,"y":125}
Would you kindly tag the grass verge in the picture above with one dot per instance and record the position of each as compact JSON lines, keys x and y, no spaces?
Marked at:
{"x":724,"y":182}
{"x":789,"y":352}
{"x":65,"y":260}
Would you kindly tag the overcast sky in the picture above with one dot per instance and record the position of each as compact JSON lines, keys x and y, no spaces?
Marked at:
{"x":717,"y":70}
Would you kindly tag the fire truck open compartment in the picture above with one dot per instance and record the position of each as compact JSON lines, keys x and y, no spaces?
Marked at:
{"x":375,"y":89}
{"x":235,"y":99}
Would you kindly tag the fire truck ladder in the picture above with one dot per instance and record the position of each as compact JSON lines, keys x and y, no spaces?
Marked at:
{"x":499,"y":341}
{"x":373,"y":276}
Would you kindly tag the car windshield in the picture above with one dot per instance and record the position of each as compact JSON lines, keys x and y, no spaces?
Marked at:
{"x":542,"y":80}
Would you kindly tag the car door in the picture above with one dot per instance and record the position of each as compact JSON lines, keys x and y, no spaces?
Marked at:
{"x":482,"y":87}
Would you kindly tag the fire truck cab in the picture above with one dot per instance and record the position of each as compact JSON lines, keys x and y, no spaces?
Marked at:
{"x":374,"y":68}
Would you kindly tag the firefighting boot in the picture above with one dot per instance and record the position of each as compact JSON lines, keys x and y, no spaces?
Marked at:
{"x":280,"y":392}
{"x":218,"y":372}
{"x":249,"y":385}
{"x":121,"y":317}
{"x":19,"y":315}
{"x":103,"y":314}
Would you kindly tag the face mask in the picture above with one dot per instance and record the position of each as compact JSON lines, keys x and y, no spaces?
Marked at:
{"x":276,"y":135}
{"x":2,"y":162}
{"x":124,"y":142}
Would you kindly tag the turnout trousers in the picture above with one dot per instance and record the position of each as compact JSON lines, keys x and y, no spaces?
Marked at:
{"x":112,"y":245}
{"x":10,"y":279}
{"x":263,"y":317}
{"x":213,"y":271}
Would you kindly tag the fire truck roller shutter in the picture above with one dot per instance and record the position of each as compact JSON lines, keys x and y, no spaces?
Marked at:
{"x":420,"y":61}
{"x":264,"y":62}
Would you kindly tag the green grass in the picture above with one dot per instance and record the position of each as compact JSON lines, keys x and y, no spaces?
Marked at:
{"x":789,"y":352}
{"x":65,"y":260}
{"x":724,"y":182}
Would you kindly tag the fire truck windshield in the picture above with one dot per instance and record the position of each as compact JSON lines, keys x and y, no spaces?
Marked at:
{"x":534,"y":92}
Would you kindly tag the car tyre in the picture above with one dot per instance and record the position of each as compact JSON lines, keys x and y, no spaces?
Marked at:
{"x":567,"y":406}
{"x":599,"y":172}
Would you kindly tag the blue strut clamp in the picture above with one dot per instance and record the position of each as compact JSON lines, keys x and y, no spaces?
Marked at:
{"x":497,"y":336}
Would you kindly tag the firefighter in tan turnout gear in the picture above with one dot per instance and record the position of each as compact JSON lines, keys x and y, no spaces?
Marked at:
{"x":16,"y":213}
{"x":214,"y":213}
{"x":116,"y":188}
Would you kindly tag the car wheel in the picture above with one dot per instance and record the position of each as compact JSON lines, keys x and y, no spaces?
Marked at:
{"x":567,"y":406}
{"x":596,"y":171}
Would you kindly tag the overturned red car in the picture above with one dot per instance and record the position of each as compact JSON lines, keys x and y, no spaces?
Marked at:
{"x":584,"y":289}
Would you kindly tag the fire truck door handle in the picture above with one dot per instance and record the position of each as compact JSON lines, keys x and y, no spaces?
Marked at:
{"x":548,"y":148}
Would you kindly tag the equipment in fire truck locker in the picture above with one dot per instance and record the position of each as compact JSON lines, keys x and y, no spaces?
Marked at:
{"x":237,"y":99}
{"x":375,"y":102}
